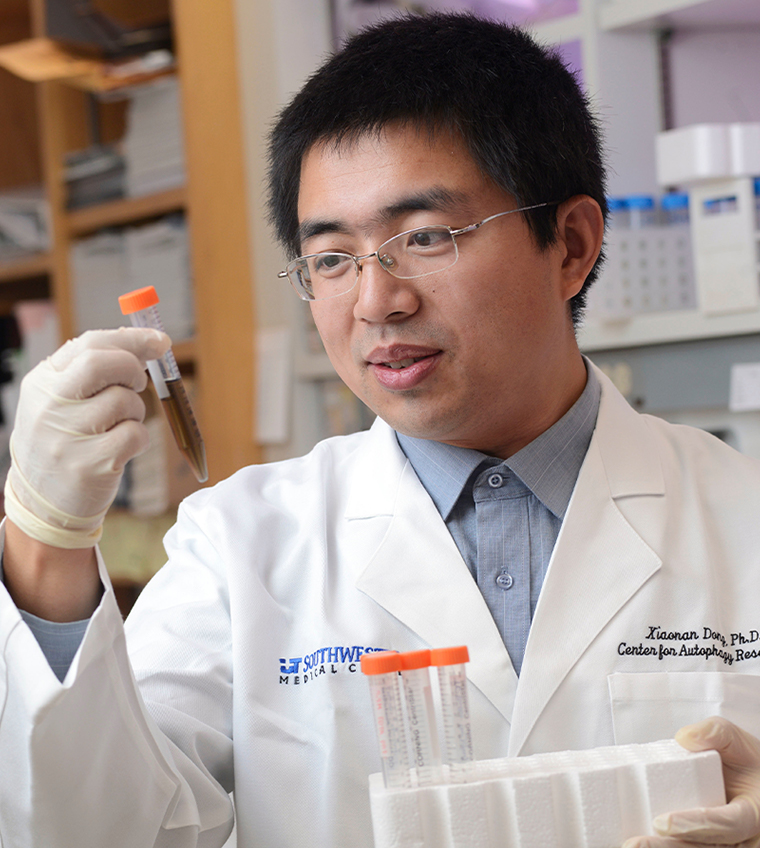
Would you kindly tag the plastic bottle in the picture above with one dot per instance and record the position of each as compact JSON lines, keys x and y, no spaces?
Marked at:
{"x":675,"y":208}
{"x":455,"y":707}
{"x":720,"y":205}
{"x":382,"y":671}
{"x":420,"y":715}
{"x":641,"y":211}
{"x":619,"y":214}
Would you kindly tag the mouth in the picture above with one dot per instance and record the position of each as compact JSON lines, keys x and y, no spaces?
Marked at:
{"x":403,"y":367}
{"x":399,"y":355}
{"x":401,"y":363}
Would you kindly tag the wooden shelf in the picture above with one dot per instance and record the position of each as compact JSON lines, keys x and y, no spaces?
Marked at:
{"x":24,"y":268}
{"x":185,"y":352}
{"x":52,"y":119}
{"x":121,"y":212}
{"x":693,"y":14}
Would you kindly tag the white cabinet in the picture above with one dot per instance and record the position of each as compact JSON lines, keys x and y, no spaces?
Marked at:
{"x":650,"y":65}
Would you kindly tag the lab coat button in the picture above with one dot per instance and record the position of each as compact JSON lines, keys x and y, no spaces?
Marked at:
{"x":505,"y":580}
{"x":495,"y":481}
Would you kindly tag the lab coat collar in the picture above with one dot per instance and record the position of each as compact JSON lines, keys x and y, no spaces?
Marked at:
{"x":376,"y":473}
{"x":599,"y":561}
{"x":630,"y":457}
{"x":417,"y":574}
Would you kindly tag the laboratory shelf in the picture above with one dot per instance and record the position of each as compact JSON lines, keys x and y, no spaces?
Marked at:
{"x":24,"y":268}
{"x":692,"y":14}
{"x":664,"y":327}
{"x":120,"y":212}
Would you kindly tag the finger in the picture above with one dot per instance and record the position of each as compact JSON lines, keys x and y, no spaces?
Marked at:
{"x":675,"y":842}
{"x":730,"y":824}
{"x":142,"y":342}
{"x":735,"y":746}
{"x":94,"y":370}
{"x":99,"y":413}
{"x":94,"y":482}
{"x":121,"y":443}
{"x":109,"y":452}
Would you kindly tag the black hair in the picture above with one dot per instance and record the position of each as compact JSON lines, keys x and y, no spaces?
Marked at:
{"x":519,"y":110}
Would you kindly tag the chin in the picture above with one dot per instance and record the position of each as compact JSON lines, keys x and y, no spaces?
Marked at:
{"x":433,"y":430}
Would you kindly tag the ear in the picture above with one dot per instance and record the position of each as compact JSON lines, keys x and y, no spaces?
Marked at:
{"x":580,"y":230}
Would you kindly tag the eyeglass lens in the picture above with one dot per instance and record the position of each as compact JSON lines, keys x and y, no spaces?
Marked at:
{"x":412,"y":254}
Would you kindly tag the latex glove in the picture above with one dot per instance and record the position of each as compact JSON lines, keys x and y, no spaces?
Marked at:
{"x":736,"y":823}
{"x":78,"y":422}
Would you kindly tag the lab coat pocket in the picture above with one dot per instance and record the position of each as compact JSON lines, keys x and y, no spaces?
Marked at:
{"x":650,"y":706}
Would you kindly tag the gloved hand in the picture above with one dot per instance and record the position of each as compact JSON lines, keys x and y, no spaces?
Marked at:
{"x":78,"y":422}
{"x":736,"y":823}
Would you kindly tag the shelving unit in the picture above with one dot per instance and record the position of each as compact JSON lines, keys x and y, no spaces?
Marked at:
{"x":118,"y":213}
{"x":53,"y":119}
{"x":648,"y":14}
{"x":36,"y":265}
{"x":621,"y":42}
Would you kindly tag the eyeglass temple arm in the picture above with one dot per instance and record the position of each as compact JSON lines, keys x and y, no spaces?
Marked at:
{"x":472,"y":227}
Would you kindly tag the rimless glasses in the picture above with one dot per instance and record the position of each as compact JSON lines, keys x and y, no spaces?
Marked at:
{"x":413,"y":253}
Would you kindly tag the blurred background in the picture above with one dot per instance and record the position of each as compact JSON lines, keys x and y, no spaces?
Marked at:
{"x":132,"y":153}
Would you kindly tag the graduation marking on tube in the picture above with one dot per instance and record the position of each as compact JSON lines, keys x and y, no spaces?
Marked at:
{"x":455,"y":707}
{"x":420,"y":715}
{"x":382,"y":671}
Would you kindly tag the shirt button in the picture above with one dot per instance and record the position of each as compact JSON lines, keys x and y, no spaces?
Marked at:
{"x":505,"y":580}
{"x":495,"y":480}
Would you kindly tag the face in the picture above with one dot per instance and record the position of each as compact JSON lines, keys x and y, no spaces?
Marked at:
{"x":482,"y":354}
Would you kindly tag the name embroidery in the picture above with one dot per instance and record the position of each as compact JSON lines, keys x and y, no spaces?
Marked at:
{"x":706,"y":642}
{"x":333,"y":660}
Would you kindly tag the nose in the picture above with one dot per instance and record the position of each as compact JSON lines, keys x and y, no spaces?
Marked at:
{"x":381,"y":297}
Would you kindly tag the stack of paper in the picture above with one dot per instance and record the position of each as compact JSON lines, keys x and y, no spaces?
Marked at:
{"x":111,"y":263}
{"x":24,"y":225}
{"x":99,"y":276}
{"x":153,"y":149}
{"x":94,"y":175}
{"x":158,"y":255}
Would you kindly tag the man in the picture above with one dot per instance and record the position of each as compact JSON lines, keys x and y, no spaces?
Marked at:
{"x":439,"y":188}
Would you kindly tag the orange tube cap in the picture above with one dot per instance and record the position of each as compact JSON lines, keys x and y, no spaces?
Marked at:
{"x":415,"y":659}
{"x":450,"y":656}
{"x":382,"y":662}
{"x":138,"y":299}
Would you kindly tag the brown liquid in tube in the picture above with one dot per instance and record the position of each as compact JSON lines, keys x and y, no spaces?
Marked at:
{"x":184,"y":428}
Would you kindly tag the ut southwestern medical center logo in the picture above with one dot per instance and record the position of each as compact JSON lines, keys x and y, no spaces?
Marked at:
{"x":338,"y":659}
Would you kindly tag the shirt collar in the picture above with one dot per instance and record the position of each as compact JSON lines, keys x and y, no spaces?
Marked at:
{"x":548,"y":466}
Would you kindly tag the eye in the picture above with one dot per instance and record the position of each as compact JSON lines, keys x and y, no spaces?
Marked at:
{"x":331,"y":264}
{"x":427,"y":239}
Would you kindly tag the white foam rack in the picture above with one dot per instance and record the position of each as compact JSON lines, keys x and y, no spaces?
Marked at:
{"x":570,"y":799}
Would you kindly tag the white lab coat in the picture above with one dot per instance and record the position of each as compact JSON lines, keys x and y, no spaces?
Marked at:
{"x":279,"y":577}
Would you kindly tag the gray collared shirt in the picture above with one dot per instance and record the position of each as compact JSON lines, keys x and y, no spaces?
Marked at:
{"x":505,"y":515}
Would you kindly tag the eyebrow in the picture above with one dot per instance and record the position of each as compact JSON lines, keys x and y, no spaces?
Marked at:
{"x":433,"y":199}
